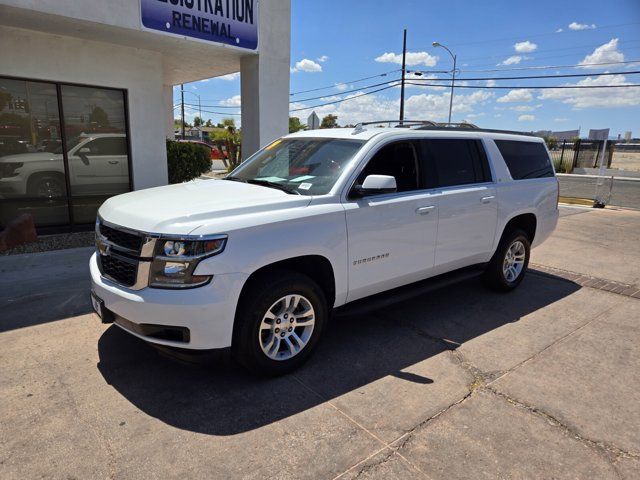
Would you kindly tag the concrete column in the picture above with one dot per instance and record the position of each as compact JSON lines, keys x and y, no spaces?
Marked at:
{"x":264,"y":79}
{"x":167,"y":98}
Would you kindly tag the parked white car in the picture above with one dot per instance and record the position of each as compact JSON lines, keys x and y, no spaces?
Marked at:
{"x":97,"y":165}
{"x":255,"y":263}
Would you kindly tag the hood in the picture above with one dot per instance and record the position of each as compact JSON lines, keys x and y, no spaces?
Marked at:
{"x":30,"y":157}
{"x":181,"y":208}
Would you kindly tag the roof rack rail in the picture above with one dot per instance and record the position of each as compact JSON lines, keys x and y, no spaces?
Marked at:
{"x":396,"y":123}
{"x":417,"y":124}
{"x":431,"y":125}
{"x":476,"y":129}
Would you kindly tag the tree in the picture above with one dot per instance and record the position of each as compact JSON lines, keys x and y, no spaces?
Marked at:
{"x":295,"y":125}
{"x":330,"y":121}
{"x":208,"y":123}
{"x":551,"y":142}
{"x":197,"y":121}
{"x":231,"y":138}
{"x":98,"y":117}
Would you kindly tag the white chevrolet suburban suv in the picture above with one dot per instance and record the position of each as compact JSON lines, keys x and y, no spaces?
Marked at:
{"x":254,"y":264}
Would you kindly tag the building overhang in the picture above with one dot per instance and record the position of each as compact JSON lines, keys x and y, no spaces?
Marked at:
{"x":184,"y":59}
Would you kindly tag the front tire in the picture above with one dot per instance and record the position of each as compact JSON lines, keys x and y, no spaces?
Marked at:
{"x":280,"y":319}
{"x":509,"y":263}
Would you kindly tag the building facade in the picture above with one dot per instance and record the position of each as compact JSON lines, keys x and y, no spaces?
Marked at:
{"x":86,"y":92}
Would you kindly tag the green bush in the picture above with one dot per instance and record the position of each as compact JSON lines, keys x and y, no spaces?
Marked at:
{"x":186,"y":161}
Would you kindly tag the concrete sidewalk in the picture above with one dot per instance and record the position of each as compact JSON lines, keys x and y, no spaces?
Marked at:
{"x":463,"y":383}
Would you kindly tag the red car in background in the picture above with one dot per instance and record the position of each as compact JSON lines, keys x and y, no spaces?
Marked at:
{"x":216,"y":152}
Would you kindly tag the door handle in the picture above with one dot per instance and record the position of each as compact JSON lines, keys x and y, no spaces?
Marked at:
{"x":113,"y":162}
{"x":487,"y":199}
{"x":424,"y":210}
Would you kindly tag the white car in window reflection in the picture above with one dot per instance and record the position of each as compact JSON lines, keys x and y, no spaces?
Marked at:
{"x":97,"y":166}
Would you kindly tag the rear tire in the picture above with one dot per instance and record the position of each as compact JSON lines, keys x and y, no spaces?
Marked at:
{"x":280,"y":319}
{"x":509,"y":263}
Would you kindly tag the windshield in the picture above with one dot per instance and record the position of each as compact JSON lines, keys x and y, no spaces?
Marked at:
{"x":306,"y":166}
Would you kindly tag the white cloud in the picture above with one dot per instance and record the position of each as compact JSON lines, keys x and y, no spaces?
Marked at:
{"x":341,"y":87}
{"x":580,"y":98}
{"x":560,"y":119}
{"x":581,"y":26}
{"x":433,"y":106}
{"x":526,"y":118}
{"x":525,"y":47}
{"x":413,"y":59}
{"x":306,"y":65}
{"x":491,"y":83}
{"x":331,"y":98}
{"x":229,"y":77}
{"x":560,"y":30}
{"x":322,"y":59}
{"x":523,"y":108}
{"x":234,"y":101}
{"x":606,"y":53}
{"x":517,"y":95}
{"x":512,"y":60}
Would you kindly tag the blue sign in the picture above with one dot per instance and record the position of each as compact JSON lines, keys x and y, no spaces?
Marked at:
{"x":234,"y":22}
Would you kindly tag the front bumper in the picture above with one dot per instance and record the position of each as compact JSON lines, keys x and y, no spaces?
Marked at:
{"x":207,"y":312}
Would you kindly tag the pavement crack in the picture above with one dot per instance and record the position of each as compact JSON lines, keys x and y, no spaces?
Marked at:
{"x":606,"y":448}
{"x":406,"y":437}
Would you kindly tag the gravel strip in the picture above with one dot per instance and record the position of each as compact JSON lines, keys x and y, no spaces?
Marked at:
{"x":60,"y":241}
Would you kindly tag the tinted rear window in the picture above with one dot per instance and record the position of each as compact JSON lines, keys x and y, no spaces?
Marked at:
{"x":525,"y":159}
{"x":450,"y":162}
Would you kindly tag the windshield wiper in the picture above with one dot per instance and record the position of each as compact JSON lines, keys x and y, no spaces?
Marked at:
{"x":267,"y":183}
{"x":235,"y":179}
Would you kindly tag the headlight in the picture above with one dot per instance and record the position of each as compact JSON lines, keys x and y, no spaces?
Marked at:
{"x":175,"y":260}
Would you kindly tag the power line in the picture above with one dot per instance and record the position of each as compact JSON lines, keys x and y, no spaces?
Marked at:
{"x":214,"y":113}
{"x":528,"y":88}
{"x":212,"y":106}
{"x":550,"y":67}
{"x":519,"y":37}
{"x":344,"y":99}
{"x":344,"y":83}
{"x":566,"y":75}
{"x":366,"y":87}
{"x":545,"y":57}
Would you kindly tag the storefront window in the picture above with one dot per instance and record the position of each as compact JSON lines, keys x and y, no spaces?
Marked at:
{"x":96,"y":140}
{"x":36,"y":167}
{"x":32,"y":174}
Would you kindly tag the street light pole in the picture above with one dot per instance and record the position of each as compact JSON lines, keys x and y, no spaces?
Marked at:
{"x":453,"y":75}
{"x":404,"y":62}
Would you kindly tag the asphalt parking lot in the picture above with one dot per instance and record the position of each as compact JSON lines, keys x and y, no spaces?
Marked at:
{"x":543,"y":382}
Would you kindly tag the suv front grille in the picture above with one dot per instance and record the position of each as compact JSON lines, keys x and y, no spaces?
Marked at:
{"x":121,"y":270}
{"x":129,"y":241}
{"x":124,"y":255}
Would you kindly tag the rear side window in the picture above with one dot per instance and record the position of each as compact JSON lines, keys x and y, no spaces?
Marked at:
{"x":450,"y":162}
{"x":525,"y":159}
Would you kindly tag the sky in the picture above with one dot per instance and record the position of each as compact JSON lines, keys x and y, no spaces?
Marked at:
{"x":334,"y":43}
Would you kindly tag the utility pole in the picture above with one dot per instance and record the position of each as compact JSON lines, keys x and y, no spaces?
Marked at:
{"x":404,"y":63}
{"x":182,"y":106}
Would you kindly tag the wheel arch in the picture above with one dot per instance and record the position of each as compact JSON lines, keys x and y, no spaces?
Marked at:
{"x":316,"y":267}
{"x":528,"y":222}
{"x":35,"y":176}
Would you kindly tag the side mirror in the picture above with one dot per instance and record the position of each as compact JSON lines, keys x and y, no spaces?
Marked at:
{"x":82,"y":153}
{"x":375,"y":185}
